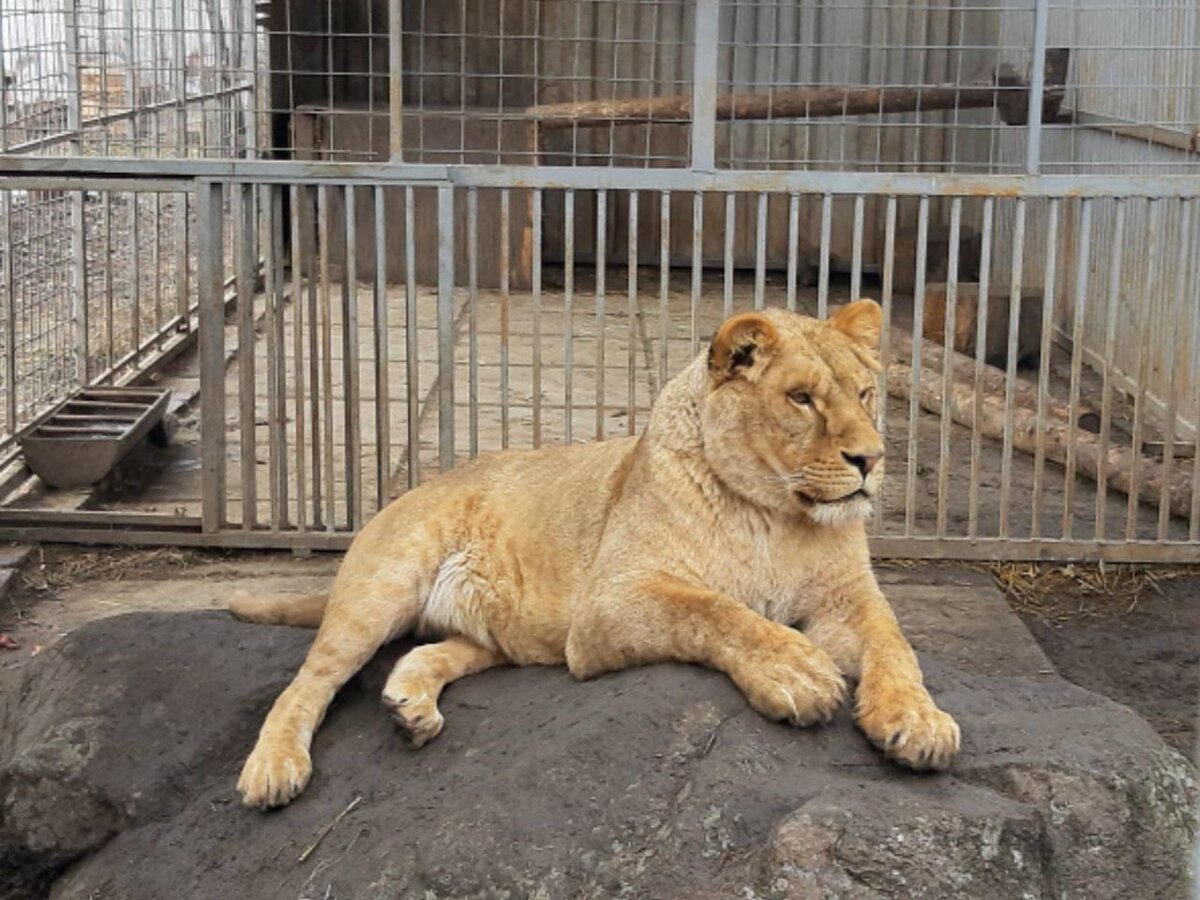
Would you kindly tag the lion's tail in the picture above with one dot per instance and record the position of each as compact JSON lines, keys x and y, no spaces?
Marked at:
{"x":302,"y":611}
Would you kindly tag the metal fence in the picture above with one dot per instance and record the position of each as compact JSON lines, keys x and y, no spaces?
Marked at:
{"x":416,"y":232}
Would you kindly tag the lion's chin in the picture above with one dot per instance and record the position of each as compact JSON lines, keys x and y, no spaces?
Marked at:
{"x":855,"y":508}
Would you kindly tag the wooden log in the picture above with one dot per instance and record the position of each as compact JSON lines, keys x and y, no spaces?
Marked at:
{"x":960,"y":404}
{"x":1008,"y":92}
{"x":782,"y":103}
{"x":993,"y":380}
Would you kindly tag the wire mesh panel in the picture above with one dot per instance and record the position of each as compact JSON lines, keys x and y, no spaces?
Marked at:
{"x":897,"y":86}
{"x":129,"y":77}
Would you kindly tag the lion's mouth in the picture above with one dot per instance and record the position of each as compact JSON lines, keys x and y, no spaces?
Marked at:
{"x":845,"y":498}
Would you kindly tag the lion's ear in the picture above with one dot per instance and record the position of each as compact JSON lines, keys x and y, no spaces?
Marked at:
{"x":861,"y":321}
{"x":741,"y":343}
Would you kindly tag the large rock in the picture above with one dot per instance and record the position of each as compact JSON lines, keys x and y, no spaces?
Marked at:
{"x":120,"y":747}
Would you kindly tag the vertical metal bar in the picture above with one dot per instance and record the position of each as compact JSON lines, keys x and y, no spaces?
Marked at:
{"x":632,"y":312}
{"x":910,"y":481}
{"x":134,"y":198}
{"x":445,"y":327}
{"x":705,"y":51}
{"x":311,"y":239}
{"x":156,"y":266}
{"x":301,"y":394}
{"x":697,"y":267}
{"x":760,"y":253}
{"x":109,"y":288}
{"x":569,"y":315}
{"x":664,"y":289}
{"x":1169,"y":375}
{"x":79,"y":286}
{"x":885,"y":338}
{"x":856,"y":258}
{"x":536,"y":349}
{"x":1037,"y":84}
{"x":411,"y":339}
{"x":273,"y":386}
{"x":326,"y":353}
{"x":1010,"y":377}
{"x":277,"y":358}
{"x":383,"y":413}
{"x":209,"y":245}
{"x":985,"y":273}
{"x":1194,"y":305}
{"x":1116,"y":252}
{"x":181,"y":261}
{"x":179,"y":77}
{"x":793,"y":249}
{"x":10,"y":311}
{"x":246,"y":380}
{"x":601,"y":255}
{"x":1083,"y":268}
{"x":504,"y":301}
{"x":949,"y":321}
{"x":826,"y":232}
{"x":1047,"y":332}
{"x":395,"y":80}
{"x":5,"y":101}
{"x":1145,"y":313}
{"x":473,"y":320}
{"x":350,"y":369}
{"x":730,"y":235}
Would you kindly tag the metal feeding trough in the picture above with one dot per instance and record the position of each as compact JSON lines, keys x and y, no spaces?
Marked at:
{"x":86,"y":435}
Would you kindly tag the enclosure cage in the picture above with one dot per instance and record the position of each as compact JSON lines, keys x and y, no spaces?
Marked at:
{"x":362,"y":241}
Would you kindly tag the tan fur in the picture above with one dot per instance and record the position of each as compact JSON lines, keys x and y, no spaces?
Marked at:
{"x":738,"y":514}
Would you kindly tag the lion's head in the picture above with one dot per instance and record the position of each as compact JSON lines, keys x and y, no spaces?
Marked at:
{"x":788,"y":412}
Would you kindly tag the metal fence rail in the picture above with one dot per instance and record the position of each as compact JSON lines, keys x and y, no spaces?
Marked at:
{"x":430,"y":231}
{"x":379,"y":384}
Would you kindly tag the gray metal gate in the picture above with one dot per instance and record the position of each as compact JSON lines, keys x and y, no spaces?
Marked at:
{"x":413,"y":287}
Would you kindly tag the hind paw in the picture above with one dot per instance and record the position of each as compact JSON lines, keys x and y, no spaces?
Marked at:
{"x":415,"y":714}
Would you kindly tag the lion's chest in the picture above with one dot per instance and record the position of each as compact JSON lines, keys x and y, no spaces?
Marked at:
{"x":776,"y":574}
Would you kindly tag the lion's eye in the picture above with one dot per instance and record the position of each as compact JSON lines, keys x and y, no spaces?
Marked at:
{"x":800,"y":398}
{"x":866,"y":394}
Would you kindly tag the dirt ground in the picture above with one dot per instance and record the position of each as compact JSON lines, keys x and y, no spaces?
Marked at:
{"x":1129,"y":633}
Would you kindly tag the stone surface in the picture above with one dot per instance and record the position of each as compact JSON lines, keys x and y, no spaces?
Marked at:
{"x":120,"y":746}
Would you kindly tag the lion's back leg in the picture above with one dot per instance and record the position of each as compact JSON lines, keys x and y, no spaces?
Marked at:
{"x":416,"y":682}
{"x":364,"y":612}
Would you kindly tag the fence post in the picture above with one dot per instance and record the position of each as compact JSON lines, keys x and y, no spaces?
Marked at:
{"x":704,"y":85}
{"x":6,"y":247}
{"x":1037,"y":85}
{"x":395,"y":81}
{"x":179,"y":76}
{"x":445,"y":327}
{"x":79,"y":294}
{"x":210,"y":243}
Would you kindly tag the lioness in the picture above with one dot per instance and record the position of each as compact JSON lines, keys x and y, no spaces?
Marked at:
{"x":737,"y":513}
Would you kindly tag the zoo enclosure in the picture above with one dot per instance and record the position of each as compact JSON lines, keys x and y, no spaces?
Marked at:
{"x":446,"y":228}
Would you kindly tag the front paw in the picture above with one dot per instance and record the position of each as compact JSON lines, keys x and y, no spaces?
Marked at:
{"x":906,"y":725}
{"x":274,"y":774}
{"x":794,"y":682}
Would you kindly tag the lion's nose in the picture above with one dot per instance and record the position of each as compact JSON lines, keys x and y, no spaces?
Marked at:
{"x":864,"y":464}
